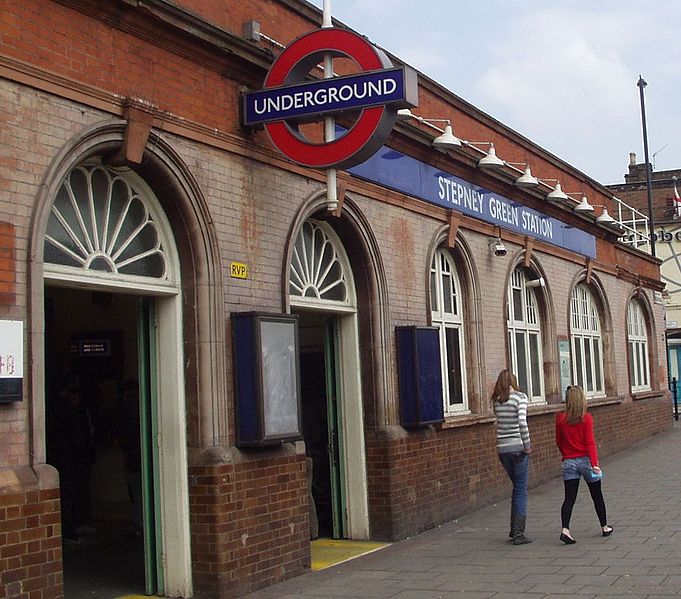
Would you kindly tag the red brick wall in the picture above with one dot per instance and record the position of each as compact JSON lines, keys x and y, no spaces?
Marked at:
{"x":8,"y":275}
{"x":430,"y":477}
{"x":249,"y":524}
{"x":30,"y":539}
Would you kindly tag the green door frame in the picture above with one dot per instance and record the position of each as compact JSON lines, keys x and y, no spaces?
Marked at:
{"x":335,"y":427}
{"x":147,"y":367}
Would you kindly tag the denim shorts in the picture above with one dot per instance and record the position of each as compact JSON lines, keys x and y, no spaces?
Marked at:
{"x":574,"y":468}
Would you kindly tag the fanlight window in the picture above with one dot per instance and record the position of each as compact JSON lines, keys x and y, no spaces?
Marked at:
{"x":103,"y":222}
{"x":319,"y":272}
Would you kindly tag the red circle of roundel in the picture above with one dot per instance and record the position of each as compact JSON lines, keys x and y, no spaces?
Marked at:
{"x":294,"y":63}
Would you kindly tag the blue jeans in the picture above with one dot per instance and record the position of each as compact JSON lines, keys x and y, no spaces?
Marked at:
{"x":576,"y":468}
{"x":517,"y":466}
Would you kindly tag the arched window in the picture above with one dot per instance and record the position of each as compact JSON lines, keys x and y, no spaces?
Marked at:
{"x":447,"y":315}
{"x":587,"y":344}
{"x":637,"y":337}
{"x":105,"y":225}
{"x":524,"y":336}
{"x":319,"y":274}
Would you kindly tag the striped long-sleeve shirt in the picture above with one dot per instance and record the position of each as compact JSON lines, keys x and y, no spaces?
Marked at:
{"x":512,"y":432}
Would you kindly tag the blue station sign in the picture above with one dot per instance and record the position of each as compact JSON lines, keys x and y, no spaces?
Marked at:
{"x":329,"y":96}
{"x":395,"y":170}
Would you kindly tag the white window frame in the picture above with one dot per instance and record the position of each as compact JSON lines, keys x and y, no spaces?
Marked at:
{"x":586,"y":342}
{"x":95,"y":232}
{"x":449,"y":320}
{"x":524,"y":324}
{"x":637,"y":347}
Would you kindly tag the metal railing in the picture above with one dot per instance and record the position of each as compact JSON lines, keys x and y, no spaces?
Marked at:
{"x":674,"y":388}
{"x":635,"y":225}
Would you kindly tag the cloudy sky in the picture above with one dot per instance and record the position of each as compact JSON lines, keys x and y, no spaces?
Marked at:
{"x":562,"y":73}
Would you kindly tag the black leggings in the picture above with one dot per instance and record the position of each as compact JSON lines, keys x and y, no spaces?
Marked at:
{"x":571,"y":488}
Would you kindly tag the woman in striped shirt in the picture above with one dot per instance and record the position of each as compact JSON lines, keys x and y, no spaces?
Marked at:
{"x":513,"y":447}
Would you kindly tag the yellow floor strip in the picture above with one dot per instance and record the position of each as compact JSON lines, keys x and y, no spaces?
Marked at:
{"x":326,"y":553}
{"x":331,"y":552}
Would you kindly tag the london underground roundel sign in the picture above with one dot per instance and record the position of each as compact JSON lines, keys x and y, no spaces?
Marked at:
{"x":288,"y":99}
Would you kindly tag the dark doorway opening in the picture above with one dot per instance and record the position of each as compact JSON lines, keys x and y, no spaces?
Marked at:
{"x":321,"y":424}
{"x":91,"y":357}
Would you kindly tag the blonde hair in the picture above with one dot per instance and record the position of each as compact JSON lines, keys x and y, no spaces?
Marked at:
{"x":502,"y":389}
{"x":575,"y":404}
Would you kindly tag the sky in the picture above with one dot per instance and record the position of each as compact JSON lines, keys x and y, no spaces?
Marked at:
{"x":562,"y":73}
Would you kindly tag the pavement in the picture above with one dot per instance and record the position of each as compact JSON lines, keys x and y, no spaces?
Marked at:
{"x":471,"y":557}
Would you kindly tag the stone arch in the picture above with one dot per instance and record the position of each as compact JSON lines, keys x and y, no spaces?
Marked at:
{"x":597,"y":289}
{"x":183,"y":202}
{"x":191,"y":342}
{"x":463,"y":256}
{"x":361,"y":246}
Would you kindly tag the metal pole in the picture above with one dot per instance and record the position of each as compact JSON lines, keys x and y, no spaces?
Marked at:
{"x":676,"y":399}
{"x":641,"y":84}
{"x":329,"y":121}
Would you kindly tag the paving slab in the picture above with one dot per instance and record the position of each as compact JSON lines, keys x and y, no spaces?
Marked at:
{"x":471,"y":557}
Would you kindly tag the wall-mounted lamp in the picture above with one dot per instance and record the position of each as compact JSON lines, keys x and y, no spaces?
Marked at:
{"x":557,"y":195}
{"x":498,"y":247}
{"x":604,"y":217}
{"x":564,"y":198}
{"x":583,"y":206}
{"x":490,"y":160}
{"x":527,"y":180}
{"x":445,"y":141}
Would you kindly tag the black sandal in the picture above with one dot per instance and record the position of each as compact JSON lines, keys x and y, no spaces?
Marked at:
{"x":568,"y":540}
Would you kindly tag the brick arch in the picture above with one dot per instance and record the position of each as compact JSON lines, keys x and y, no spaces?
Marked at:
{"x":361,"y":246}
{"x":197,"y":397}
{"x":637,"y":294}
{"x":595,"y":285}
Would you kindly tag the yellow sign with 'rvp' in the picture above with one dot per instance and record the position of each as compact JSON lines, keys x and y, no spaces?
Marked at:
{"x":238,"y":270}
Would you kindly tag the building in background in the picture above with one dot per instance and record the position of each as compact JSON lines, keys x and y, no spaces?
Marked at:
{"x":666,"y":198}
{"x":151,"y":241}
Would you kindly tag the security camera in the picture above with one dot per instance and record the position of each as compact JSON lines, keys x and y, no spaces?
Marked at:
{"x":540,"y":282}
{"x":498,"y":247}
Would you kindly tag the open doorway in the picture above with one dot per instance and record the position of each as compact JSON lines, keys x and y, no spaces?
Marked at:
{"x":100,"y":423}
{"x":321,"y":425}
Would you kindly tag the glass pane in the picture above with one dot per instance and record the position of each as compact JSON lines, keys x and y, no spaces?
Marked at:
{"x":535,"y":367}
{"x":521,"y":352}
{"x":517,"y":305}
{"x":598,"y":364}
{"x":316,"y":270}
{"x":99,"y":222}
{"x":433,"y":293}
{"x":454,"y":366}
{"x":632,"y":363}
{"x":579,"y":362}
{"x":589,"y":365}
{"x":446,"y":293}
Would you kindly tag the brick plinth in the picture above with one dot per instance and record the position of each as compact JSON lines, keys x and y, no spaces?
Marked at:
{"x":30,"y":535}
{"x":249,"y":523}
{"x":424,"y":478}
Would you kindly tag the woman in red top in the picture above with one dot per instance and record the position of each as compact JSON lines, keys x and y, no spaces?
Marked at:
{"x":575,"y":439}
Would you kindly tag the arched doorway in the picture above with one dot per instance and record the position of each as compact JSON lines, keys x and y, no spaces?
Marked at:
{"x":322,"y":292}
{"x":113,"y":362}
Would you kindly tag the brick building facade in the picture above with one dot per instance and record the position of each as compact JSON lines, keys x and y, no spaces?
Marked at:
{"x":667,"y":230}
{"x":128,"y":188}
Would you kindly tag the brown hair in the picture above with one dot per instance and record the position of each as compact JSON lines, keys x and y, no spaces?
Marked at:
{"x":502,"y":389}
{"x":575,"y":404}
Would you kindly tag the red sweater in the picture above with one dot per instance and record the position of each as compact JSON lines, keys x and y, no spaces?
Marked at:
{"x":576,"y":440}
